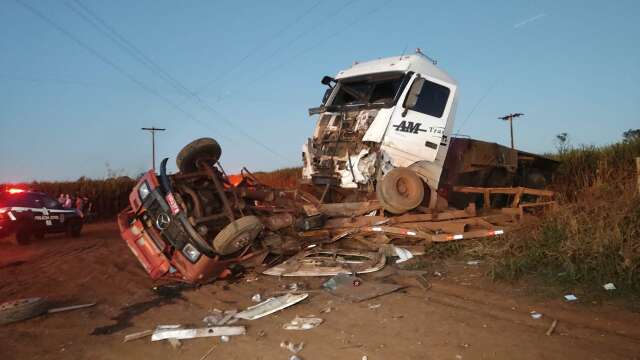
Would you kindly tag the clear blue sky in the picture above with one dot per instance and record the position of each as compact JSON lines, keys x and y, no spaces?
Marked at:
{"x":570,"y":66}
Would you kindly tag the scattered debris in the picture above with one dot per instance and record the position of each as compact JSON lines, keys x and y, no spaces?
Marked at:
{"x":296,"y":286}
{"x":22,"y":309}
{"x":219,"y":317}
{"x":175,"y":343}
{"x":178,"y":332}
{"x":137,"y":335}
{"x":303,"y":323}
{"x":609,"y":286}
{"x":256,"y":298}
{"x":341,"y":280}
{"x":293,"y":347}
{"x":69,"y":308}
{"x":422,"y":281}
{"x":353,"y":289}
{"x":270,"y":306}
{"x":473,"y":262}
{"x":374,"y":306}
{"x":402,"y":253}
{"x":328,"y":263}
{"x":570,"y":297}
{"x":535,"y":315}
{"x":552,"y":327}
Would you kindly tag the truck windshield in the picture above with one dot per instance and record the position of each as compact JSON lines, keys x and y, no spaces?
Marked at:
{"x":378,"y":90}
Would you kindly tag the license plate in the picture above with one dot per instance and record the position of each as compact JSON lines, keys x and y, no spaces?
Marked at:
{"x":46,"y":217}
{"x":172,"y":203}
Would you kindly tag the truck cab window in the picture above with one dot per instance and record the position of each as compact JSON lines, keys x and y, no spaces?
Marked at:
{"x":378,"y":90}
{"x":432,"y":99}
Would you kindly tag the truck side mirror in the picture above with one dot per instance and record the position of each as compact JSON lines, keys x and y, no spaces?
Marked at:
{"x":412,"y":96}
{"x":327,"y":80}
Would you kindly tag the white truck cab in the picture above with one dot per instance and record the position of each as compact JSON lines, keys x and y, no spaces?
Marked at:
{"x":381,"y":115}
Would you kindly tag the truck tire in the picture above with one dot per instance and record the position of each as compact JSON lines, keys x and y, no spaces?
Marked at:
{"x":400,"y":190}
{"x":237,"y":235}
{"x":17,"y":310}
{"x":201,"y":148}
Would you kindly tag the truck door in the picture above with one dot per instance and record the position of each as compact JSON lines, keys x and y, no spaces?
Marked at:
{"x":417,"y":126}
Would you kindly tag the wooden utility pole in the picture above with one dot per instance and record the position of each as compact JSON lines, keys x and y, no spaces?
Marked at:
{"x":510,"y":117}
{"x":153,"y":130}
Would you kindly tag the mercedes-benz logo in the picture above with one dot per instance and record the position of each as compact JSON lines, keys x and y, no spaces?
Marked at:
{"x":163,"y":220}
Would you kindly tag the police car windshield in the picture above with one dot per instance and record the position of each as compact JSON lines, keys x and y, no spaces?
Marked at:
{"x":378,"y":89}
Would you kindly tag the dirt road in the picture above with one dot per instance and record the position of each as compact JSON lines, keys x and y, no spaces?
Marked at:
{"x":463,"y":315}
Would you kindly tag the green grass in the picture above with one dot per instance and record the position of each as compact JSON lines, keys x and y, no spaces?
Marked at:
{"x":594,"y":236}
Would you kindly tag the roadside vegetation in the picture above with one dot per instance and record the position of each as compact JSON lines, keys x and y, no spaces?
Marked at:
{"x":593,"y":238}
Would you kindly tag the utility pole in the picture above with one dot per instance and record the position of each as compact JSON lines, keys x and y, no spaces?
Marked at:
{"x":153,"y":130}
{"x":510,"y":117}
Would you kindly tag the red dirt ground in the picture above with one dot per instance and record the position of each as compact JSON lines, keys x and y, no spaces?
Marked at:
{"x":463,"y":315}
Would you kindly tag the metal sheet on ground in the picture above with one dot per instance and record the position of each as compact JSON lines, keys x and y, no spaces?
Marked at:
{"x":270,"y":306}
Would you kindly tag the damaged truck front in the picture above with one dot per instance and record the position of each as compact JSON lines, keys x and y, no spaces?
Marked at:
{"x":385,"y":127}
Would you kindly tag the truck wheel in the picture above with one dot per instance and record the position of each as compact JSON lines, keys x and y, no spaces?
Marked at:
{"x":237,"y":235}
{"x":195,"y":150}
{"x":16,"y":310}
{"x":400,"y":190}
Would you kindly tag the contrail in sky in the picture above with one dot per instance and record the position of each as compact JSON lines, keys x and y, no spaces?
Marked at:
{"x":531,"y":19}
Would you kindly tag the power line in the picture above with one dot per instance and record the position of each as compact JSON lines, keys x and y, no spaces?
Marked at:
{"x":301,"y":35}
{"x":315,"y":45}
{"x":125,"y":45}
{"x":258,"y":46}
{"x":44,"y":80}
{"x":103,"y":58}
{"x":309,"y":30}
{"x":486,"y":93}
{"x":136,"y":53}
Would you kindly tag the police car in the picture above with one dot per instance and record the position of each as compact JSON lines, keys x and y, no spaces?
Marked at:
{"x":30,"y":214}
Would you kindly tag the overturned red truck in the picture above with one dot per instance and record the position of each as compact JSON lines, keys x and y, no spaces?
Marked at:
{"x":384,"y":133}
{"x":197,"y":225}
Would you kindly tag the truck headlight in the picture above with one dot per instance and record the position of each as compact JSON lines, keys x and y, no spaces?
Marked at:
{"x":191,"y":252}
{"x":143,"y":190}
